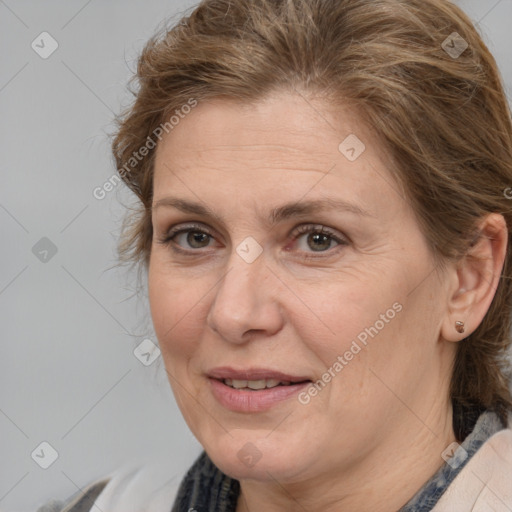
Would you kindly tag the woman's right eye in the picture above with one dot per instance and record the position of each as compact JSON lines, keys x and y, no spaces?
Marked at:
{"x":192,"y":238}
{"x":187,"y":239}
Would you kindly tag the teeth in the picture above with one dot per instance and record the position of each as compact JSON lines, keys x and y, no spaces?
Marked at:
{"x":255,"y":384}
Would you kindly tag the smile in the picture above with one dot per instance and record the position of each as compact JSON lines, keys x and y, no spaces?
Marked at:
{"x":252,"y":396}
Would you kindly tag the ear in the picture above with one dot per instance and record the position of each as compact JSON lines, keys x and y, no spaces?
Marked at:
{"x":475,"y":278}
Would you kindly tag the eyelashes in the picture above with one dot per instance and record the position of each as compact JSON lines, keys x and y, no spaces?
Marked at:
{"x":196,"y":235}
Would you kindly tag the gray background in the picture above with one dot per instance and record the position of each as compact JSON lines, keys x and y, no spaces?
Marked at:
{"x":71,"y":323}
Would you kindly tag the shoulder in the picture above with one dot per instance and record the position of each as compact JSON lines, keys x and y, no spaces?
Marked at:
{"x":485,"y":483}
{"x":149,"y":486}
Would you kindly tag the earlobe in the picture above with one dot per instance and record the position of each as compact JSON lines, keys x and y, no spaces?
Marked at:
{"x":475,"y":279}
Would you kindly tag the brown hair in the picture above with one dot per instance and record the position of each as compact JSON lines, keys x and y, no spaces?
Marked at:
{"x":443,"y":117}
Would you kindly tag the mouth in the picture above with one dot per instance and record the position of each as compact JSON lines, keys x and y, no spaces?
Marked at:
{"x":257,"y":385}
{"x":255,"y":378}
{"x":254,"y":390}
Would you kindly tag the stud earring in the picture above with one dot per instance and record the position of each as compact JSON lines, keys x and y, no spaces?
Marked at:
{"x":459,"y":326}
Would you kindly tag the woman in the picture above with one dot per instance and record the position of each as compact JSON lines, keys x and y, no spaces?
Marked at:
{"x":327,"y":244}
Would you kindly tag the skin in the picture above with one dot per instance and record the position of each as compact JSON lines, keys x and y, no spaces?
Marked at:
{"x":374,"y":435}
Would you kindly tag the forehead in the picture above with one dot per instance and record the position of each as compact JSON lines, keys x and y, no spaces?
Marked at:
{"x":286,"y":141}
{"x":283,"y":126}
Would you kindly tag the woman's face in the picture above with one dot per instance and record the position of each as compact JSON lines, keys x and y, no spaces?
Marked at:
{"x":292,"y":256}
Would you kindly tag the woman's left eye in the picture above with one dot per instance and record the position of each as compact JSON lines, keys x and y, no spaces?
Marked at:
{"x":317,"y":238}
{"x":309,"y":238}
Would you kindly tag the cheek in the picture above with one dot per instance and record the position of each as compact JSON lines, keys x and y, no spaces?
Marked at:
{"x":178,"y":312}
{"x":336,"y":315}
{"x":351,"y":330}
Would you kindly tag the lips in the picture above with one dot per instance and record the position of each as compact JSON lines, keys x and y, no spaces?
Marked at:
{"x":254,"y":390}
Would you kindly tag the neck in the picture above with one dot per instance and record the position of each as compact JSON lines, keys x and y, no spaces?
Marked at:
{"x":386,"y":481}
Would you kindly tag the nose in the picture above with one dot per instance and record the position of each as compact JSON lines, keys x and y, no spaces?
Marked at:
{"x":246,"y":302}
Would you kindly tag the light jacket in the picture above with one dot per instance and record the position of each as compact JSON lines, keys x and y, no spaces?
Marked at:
{"x":485,"y":483}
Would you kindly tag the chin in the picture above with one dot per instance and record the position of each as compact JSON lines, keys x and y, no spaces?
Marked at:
{"x":247,"y":455}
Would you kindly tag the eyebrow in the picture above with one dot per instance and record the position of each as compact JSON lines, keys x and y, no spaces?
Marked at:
{"x":278,"y":214}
